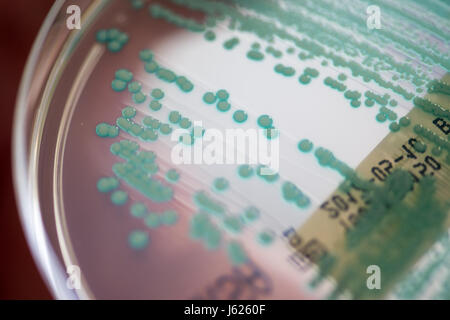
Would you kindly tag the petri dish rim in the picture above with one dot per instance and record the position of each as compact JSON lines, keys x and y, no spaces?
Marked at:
{"x":26,"y":117}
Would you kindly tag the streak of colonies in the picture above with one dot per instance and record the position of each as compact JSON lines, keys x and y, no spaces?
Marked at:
{"x":375,"y":59}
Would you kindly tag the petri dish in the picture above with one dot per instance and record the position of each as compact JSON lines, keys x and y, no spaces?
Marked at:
{"x":130,"y":184}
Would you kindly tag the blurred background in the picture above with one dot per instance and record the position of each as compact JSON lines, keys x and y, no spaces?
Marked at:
{"x":20,"y":21}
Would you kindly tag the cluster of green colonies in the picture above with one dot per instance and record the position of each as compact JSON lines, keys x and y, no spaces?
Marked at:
{"x":245,"y":171}
{"x":166,"y":75}
{"x":425,"y":54}
{"x":255,"y":55}
{"x":129,"y":126}
{"x":138,"y":239}
{"x":386,"y":235}
{"x":159,"y":12}
{"x":138,"y":171}
{"x":222,"y":104}
{"x":305,"y":145}
{"x":220,"y":184}
{"x":207,"y":204}
{"x":430,"y":107}
{"x":327,"y":159}
{"x":176,"y":118}
{"x":209,"y":35}
{"x":317,"y":46}
{"x":137,"y":4}
{"x":202,"y":228}
{"x":151,"y":66}
{"x":153,"y":220}
{"x":354,"y":97}
{"x":113,"y":38}
{"x":172,"y":176}
{"x":418,"y":280}
{"x":385,"y":202}
{"x":121,"y":80}
{"x":105,"y":130}
{"x":135,"y":88}
{"x":184,"y":84}
{"x":332,"y":83}
{"x":274,"y":52}
{"x":222,"y":96}
{"x":386,"y":114}
{"x":184,"y":123}
{"x":291,"y":193}
{"x":128,"y":150}
{"x":438,"y":86}
{"x":432,"y":137}
{"x":231,"y":43}
{"x":266,"y":174}
{"x":307,"y":74}
{"x":107,"y":184}
{"x":284,"y":70}
{"x":154,"y":124}
{"x":151,"y":123}
{"x":371,"y":98}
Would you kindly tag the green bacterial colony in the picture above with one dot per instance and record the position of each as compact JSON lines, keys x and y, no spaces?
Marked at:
{"x":220,"y":98}
{"x":152,"y":67}
{"x":314,"y":38}
{"x":114,"y":39}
